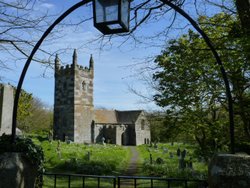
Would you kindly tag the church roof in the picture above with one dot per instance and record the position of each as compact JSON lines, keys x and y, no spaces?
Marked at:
{"x":105,"y":116}
{"x":116,"y":117}
{"x":128,"y":117}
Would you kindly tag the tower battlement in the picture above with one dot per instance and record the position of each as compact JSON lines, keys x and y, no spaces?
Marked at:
{"x":62,"y":70}
{"x":74,"y":67}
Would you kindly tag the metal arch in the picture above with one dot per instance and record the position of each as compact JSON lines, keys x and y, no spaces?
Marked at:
{"x":218,"y":61}
{"x":26,"y":66}
{"x":176,"y":8}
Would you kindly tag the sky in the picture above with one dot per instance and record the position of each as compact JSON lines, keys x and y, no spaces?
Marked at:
{"x":116,"y":61}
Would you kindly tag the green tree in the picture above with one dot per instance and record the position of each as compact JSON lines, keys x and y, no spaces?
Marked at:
{"x":41,"y":118}
{"x":33,"y":115}
{"x":24,"y":110}
{"x":190,"y":83}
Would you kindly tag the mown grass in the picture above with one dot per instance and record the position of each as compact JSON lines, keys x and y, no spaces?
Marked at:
{"x":83,"y":159}
{"x":170,"y":166}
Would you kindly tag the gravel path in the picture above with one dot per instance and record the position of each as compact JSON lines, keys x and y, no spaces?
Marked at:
{"x":133,"y":164}
{"x":132,"y":170}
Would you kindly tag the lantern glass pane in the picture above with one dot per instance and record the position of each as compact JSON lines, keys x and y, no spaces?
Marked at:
{"x":106,"y":11}
{"x":114,"y":26}
{"x":125,"y":12}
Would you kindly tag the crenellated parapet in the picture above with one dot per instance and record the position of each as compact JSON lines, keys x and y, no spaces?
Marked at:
{"x":65,"y":70}
{"x":74,"y":67}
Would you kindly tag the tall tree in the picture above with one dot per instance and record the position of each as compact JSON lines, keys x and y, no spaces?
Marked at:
{"x":243,"y":9}
{"x":189,"y":81}
{"x":33,"y":115}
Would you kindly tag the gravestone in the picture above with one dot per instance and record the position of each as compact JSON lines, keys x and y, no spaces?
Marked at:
{"x":178,"y":152}
{"x":183,"y":153}
{"x":229,"y":170}
{"x":103,"y":141}
{"x":155,"y":145}
{"x":165,"y":150}
{"x":16,"y":171}
{"x":182,"y":162}
{"x":190,"y":163}
{"x":6,"y":108}
{"x":171,"y":155}
{"x":58,"y":149}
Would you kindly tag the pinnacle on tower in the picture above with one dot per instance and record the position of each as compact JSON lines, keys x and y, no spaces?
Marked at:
{"x":57,"y":62}
{"x":75,"y":58}
{"x":91,"y":62}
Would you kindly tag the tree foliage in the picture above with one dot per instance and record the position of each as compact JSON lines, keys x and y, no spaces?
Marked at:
{"x":33,"y":115}
{"x":190,"y":83}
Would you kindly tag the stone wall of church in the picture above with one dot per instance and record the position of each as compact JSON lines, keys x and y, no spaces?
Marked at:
{"x":142,"y":130}
{"x":83,"y":104}
{"x":64,"y":103}
{"x":120,"y":132}
{"x":108,"y":132}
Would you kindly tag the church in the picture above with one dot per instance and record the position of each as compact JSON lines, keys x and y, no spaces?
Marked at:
{"x":76,"y":119}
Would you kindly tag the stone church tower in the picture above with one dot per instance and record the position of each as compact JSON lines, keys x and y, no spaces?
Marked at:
{"x":73,"y":105}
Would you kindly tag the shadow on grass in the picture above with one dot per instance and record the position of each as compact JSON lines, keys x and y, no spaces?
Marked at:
{"x":85,"y":167}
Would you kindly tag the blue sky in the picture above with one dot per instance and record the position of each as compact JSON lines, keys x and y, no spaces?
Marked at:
{"x":116,"y":65}
{"x":114,"y":69}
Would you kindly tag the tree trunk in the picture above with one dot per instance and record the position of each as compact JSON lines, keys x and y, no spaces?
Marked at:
{"x":243,"y":9}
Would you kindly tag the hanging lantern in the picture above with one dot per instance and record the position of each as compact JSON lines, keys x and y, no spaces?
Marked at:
{"x":111,"y":16}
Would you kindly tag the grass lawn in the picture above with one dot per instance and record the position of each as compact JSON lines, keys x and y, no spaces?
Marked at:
{"x":83,"y":159}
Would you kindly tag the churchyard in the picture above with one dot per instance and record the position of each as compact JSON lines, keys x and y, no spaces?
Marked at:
{"x":158,"y":160}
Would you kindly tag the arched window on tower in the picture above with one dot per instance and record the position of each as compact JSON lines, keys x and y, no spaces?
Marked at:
{"x":84,"y":86}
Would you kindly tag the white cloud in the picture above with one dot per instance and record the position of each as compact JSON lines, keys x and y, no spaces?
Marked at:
{"x":47,"y":5}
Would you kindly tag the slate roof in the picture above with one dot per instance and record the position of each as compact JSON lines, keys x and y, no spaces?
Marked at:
{"x":128,"y":117}
{"x":116,"y":117}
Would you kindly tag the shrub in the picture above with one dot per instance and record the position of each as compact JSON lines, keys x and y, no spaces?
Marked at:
{"x":32,"y":152}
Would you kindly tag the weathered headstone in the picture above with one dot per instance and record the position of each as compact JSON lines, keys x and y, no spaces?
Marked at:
{"x":229,"y":170}
{"x":165,"y":150}
{"x":155,"y":145}
{"x":182,"y":162}
{"x":183,"y":153}
{"x":58,"y":148}
{"x":88,"y":156}
{"x":178,"y":152}
{"x":50,"y":136}
{"x":16,"y":171}
{"x":190,"y":163}
{"x":6,"y":108}
{"x":171,"y":155}
{"x":103,"y":141}
{"x":151,"y":158}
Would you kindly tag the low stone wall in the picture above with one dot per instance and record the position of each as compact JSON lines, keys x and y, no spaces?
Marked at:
{"x":16,"y":171}
{"x":229,"y":171}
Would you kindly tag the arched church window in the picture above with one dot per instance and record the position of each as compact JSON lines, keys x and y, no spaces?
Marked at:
{"x":142,"y":124}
